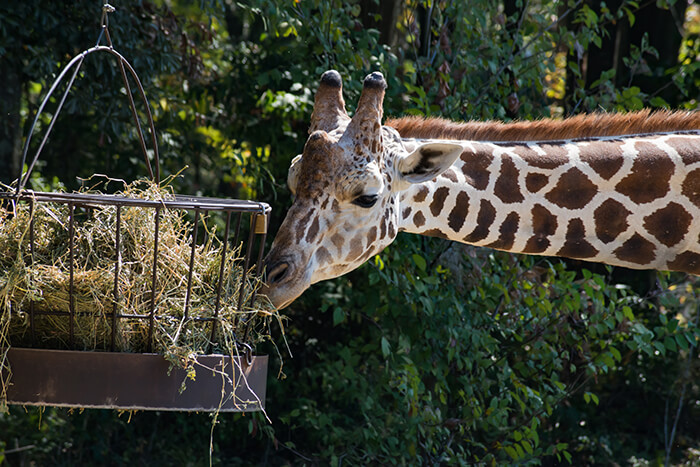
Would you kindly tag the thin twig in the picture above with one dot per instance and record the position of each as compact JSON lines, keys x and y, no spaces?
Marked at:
{"x":668,"y":441}
{"x":296,"y":453}
{"x":19,"y":449}
{"x":413,"y":42}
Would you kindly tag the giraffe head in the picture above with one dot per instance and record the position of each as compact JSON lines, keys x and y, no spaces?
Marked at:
{"x":346,"y":187}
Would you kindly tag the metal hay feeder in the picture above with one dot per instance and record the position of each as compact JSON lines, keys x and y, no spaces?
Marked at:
{"x":145,"y":381}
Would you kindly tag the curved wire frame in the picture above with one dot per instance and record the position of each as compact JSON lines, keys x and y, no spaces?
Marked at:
{"x":77,"y":62}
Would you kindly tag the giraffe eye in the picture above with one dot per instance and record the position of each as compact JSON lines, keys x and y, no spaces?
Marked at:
{"x":366,"y":201}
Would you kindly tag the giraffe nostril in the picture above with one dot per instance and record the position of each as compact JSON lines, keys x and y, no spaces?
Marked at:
{"x":277,"y":273}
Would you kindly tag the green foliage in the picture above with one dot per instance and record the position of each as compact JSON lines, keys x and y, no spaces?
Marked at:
{"x":432,"y":353}
{"x":474,"y":371}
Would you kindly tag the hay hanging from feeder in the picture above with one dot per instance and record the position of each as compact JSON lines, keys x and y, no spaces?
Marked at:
{"x":40,"y":280}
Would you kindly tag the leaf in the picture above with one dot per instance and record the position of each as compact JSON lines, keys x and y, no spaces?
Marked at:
{"x":338,"y":316}
{"x":432,"y":280}
{"x":672,"y":325}
{"x":631,"y":92}
{"x":567,"y":456}
{"x":511,"y":452}
{"x":420,"y":261}
{"x":616,"y":354}
{"x":590,"y":397}
{"x":658,"y":101}
{"x":681,"y":341}
{"x":670,"y":344}
{"x":386,"y":347}
{"x":607,"y":359}
{"x":660,"y":347}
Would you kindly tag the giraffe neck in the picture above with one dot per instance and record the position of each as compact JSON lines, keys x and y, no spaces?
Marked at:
{"x":632,"y":201}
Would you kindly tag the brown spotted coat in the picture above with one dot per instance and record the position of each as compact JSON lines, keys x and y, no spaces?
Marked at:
{"x":630,"y":200}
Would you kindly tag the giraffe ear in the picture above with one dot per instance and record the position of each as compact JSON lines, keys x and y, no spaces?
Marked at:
{"x":293,"y":174}
{"x":428,"y":161}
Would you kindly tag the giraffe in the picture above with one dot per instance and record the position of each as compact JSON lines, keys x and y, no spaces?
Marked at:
{"x":620,"y":189}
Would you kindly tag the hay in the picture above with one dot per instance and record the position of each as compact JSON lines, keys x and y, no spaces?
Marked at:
{"x":42,"y":281}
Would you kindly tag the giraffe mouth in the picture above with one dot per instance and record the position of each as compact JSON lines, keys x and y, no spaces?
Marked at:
{"x":281,"y":297}
{"x":281,"y":284}
{"x":285,"y":304}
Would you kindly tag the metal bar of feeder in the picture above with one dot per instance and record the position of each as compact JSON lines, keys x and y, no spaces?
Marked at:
{"x":151,"y":316}
{"x":258,"y":267}
{"x":78,"y":313}
{"x":202,"y":203}
{"x":132,"y":105}
{"x":221,"y":278}
{"x":246,"y":263}
{"x":134,"y":316}
{"x":71,"y":286}
{"x":135,"y":116}
{"x":32,"y":211}
{"x":191,"y":266}
{"x":79,"y":60}
{"x":117,"y":261}
{"x":125,"y":316}
{"x":119,"y":315}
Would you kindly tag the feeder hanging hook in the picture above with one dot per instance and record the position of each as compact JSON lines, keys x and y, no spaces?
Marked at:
{"x":106,"y":10}
{"x":104,"y":23}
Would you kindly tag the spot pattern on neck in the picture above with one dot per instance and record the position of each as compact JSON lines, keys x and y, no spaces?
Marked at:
{"x":631,"y":201}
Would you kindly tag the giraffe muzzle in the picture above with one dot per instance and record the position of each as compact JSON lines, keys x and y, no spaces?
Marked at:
{"x":282,"y":284}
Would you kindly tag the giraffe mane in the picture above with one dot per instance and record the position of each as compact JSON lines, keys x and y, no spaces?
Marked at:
{"x":580,"y":126}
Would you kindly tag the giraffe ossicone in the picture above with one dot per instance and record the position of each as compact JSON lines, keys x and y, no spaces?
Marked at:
{"x":621,"y":189}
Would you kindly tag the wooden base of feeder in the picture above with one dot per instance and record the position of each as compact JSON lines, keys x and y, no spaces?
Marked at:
{"x":134,"y":381}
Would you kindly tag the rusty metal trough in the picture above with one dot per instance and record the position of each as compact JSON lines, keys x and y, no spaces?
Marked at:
{"x":124,"y":381}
